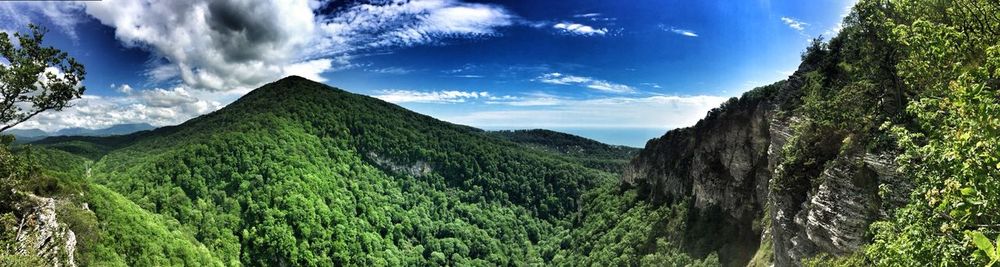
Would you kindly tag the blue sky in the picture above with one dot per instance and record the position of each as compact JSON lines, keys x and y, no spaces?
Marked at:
{"x":616,"y":71}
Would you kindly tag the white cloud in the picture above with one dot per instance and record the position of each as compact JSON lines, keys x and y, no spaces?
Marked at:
{"x":222,"y":45}
{"x":390,"y":70}
{"x":166,"y":98}
{"x":653,"y":85}
{"x":587,"y":15}
{"x":679,"y":31}
{"x":310,"y":69}
{"x":579,"y":29}
{"x":408,"y":96}
{"x":220,"y":49}
{"x":16,"y":15}
{"x":596,"y":84}
{"x":408,"y":23}
{"x":529,"y":100}
{"x":794,"y":23}
{"x":124,"y":88}
{"x":555,"y":112}
{"x":155,"y":106}
{"x":213,"y":45}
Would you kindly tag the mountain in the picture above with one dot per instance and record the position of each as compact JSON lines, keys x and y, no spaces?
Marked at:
{"x":118,"y":129}
{"x":592,"y":153}
{"x":297,"y":172}
{"x":31,"y":135}
{"x":879,"y":150}
{"x":27,"y":133}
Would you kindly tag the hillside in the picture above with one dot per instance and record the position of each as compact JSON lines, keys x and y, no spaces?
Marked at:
{"x":592,"y":153}
{"x":315,"y":174}
{"x":879,"y":150}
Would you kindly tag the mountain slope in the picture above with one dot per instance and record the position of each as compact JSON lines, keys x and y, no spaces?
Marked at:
{"x":300,"y":173}
{"x":592,"y":153}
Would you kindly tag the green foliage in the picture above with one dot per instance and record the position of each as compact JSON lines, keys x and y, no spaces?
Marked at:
{"x":318,"y":176}
{"x":588,"y":152}
{"x":28,"y":79}
{"x":617,"y":228}
{"x":297,"y":173}
{"x":986,"y":246}
{"x":823,"y":260}
{"x":951,"y":59}
{"x":131,"y":236}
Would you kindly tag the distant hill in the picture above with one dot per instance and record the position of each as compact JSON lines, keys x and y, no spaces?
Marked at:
{"x":27,"y":133}
{"x":593,"y":153}
{"x":31,"y":135}
{"x":118,"y":129}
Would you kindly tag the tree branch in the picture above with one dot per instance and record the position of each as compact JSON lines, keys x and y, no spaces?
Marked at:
{"x":25,"y":118}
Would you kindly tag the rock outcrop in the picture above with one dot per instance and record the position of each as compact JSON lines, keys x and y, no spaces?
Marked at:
{"x":722,"y":165}
{"x":40,"y":233}
{"x":726,"y":165}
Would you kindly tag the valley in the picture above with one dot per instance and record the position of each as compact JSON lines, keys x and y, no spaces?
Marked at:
{"x":880,"y":149}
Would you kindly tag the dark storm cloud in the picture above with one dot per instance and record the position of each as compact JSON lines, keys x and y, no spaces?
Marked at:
{"x":241,"y":28}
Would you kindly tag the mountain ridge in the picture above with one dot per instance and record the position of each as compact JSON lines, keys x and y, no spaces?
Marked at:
{"x":353,"y":158}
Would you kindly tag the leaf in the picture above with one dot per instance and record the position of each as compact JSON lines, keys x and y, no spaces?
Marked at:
{"x":968,"y":191}
{"x":983,"y":243}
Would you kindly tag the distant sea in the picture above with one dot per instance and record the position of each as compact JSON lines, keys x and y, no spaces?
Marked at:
{"x":633,"y":137}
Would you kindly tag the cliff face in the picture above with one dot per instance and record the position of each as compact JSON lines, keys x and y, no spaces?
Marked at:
{"x":835,"y":216}
{"x":722,"y":165}
{"x":39,"y":235}
{"x":727,"y":164}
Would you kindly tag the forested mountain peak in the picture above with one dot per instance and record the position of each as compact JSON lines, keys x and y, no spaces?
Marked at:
{"x":295,"y":171}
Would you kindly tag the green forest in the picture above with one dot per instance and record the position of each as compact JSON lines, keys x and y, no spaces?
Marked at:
{"x":297,"y":173}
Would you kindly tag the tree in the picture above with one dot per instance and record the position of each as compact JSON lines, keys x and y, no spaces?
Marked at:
{"x":34,"y":78}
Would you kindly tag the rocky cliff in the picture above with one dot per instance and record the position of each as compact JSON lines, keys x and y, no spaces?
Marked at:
{"x":39,"y":237}
{"x":732,"y":166}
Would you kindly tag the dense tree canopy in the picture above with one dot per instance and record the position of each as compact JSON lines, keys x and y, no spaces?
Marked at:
{"x":297,"y":173}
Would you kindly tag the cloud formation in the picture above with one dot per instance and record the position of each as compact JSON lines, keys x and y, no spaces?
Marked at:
{"x":794,"y":23}
{"x":389,"y":70}
{"x":217,"y":50}
{"x":16,"y":14}
{"x":596,"y":84}
{"x":402,"y":23}
{"x":653,"y":85}
{"x":579,"y":29}
{"x":214,"y":45}
{"x":679,"y":31}
{"x":409,"y":96}
{"x":554,"y":112}
{"x":124,"y":88}
{"x":222,"y":45}
{"x":155,"y":106}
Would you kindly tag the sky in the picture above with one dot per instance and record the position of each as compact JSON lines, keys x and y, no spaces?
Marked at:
{"x":619,"y":72}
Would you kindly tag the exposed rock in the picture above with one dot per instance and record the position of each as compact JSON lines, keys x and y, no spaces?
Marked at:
{"x":835,"y":218}
{"x":722,"y":164}
{"x":727,"y":163}
{"x":40,"y":232}
{"x":417,"y":169}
